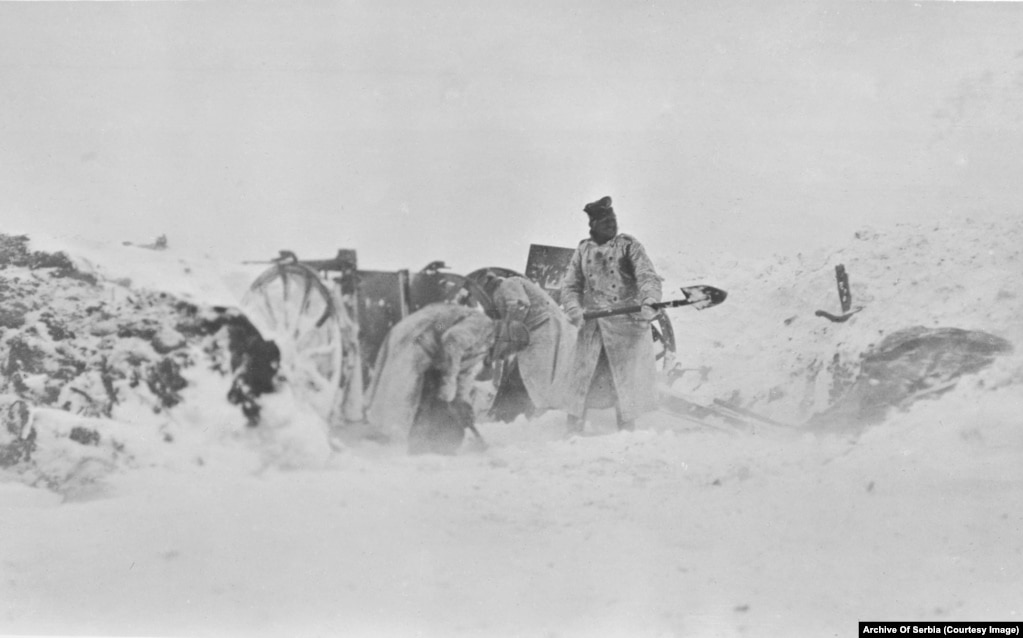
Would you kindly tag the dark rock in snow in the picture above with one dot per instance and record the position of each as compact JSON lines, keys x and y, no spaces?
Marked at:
{"x":14,"y":252}
{"x":906,"y":366}
{"x":165,"y":382}
{"x":12,"y":314}
{"x":254,"y":363}
{"x":17,"y":438}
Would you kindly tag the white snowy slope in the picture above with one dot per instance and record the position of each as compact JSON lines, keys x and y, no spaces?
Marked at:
{"x":669,"y":531}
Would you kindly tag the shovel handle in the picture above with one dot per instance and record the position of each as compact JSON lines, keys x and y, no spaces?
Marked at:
{"x":610,"y":312}
{"x":698,"y":296}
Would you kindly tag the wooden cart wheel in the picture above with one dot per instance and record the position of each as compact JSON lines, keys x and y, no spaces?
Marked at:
{"x":291,"y":306}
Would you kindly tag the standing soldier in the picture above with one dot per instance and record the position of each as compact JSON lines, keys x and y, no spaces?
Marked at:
{"x":614,"y":362}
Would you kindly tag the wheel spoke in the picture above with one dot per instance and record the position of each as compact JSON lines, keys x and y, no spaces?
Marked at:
{"x":270,"y":314}
{"x":290,"y":316}
{"x":323,"y":318}
{"x":314,"y":338}
{"x":327,"y":349}
{"x":284,"y":283}
{"x":313,"y":375}
{"x":302,"y":308}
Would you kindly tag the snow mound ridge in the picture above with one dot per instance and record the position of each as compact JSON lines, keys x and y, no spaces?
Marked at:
{"x":98,"y":374}
{"x":766,"y":348}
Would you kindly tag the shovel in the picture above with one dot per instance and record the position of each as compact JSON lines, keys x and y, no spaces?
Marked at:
{"x":699,"y":297}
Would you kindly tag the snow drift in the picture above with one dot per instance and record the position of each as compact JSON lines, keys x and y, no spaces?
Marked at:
{"x":163,"y":512}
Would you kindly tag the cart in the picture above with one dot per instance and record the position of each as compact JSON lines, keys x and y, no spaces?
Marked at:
{"x":329,"y":318}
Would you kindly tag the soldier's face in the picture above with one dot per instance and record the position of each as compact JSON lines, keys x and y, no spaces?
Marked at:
{"x":603,"y":229}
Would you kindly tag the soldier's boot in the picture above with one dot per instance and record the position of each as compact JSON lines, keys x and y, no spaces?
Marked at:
{"x":624,"y":425}
{"x":574,"y":425}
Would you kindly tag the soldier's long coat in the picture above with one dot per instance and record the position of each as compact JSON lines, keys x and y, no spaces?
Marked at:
{"x":617,"y":273}
{"x":446,"y":337}
{"x":545,"y":363}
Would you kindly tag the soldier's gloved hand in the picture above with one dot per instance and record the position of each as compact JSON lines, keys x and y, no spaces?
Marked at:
{"x":648,"y":313}
{"x":447,"y":392}
{"x":575,"y":315}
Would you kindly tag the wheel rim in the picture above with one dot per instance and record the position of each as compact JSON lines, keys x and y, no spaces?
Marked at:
{"x":292,"y":307}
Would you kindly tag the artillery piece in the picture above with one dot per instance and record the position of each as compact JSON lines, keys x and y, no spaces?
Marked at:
{"x":329,"y":319}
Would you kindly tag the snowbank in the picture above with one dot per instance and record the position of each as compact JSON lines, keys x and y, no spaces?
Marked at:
{"x":125,"y":355}
{"x":674,"y":530}
{"x":766,"y":349}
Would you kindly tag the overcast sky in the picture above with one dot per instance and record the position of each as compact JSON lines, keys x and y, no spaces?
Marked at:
{"x":464,"y":131}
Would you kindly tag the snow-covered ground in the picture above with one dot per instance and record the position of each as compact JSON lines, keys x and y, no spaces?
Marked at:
{"x":672,"y":530}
